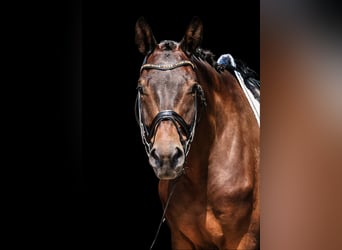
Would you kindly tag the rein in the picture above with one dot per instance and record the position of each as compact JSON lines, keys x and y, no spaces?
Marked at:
{"x":163,"y":216}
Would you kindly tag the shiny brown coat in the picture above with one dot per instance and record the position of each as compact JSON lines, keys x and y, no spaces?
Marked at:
{"x":216,"y":202}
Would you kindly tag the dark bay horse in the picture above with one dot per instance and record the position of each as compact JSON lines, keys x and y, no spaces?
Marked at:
{"x":201,"y":137}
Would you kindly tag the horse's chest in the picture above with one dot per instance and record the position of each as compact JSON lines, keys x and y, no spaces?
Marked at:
{"x":199,"y":225}
{"x":212,"y":227}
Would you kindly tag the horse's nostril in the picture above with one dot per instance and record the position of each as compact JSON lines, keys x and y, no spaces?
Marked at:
{"x":167,"y":159}
{"x":176,"y":156}
{"x":156,"y":157}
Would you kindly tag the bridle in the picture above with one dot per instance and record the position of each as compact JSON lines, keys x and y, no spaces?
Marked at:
{"x":148,"y":132}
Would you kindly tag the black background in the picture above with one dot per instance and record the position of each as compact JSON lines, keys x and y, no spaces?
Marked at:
{"x":88,"y":182}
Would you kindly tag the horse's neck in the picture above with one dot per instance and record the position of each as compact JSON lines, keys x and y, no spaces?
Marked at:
{"x":228,"y":107}
{"x":226,"y":122}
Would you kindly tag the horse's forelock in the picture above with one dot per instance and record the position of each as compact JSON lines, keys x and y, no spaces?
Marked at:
{"x":168,"y":45}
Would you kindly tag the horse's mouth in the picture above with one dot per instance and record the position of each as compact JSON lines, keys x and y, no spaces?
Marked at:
{"x":167,"y":173}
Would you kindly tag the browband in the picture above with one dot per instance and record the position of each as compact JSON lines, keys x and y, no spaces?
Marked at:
{"x":167,"y":66}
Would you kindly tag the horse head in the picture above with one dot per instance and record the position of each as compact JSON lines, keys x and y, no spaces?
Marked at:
{"x":168,"y":97}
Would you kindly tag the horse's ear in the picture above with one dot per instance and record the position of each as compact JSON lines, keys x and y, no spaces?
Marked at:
{"x":193,"y":36}
{"x":144,"y":38}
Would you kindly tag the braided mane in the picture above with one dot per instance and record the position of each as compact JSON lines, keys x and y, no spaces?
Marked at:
{"x":251,"y":78}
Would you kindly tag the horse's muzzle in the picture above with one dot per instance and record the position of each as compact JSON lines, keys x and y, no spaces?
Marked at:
{"x":167,"y":164}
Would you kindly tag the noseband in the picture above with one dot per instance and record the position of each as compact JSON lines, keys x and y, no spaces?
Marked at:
{"x":147,"y":133}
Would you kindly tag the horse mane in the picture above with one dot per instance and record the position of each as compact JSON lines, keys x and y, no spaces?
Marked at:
{"x":206,"y":55}
{"x":250,"y":77}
